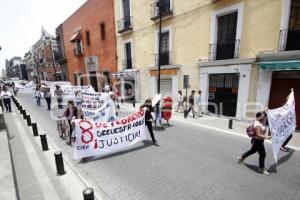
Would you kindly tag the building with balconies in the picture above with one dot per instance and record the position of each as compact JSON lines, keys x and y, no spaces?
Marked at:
{"x":223,"y":45}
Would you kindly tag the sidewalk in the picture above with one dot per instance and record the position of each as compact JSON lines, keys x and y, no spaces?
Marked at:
{"x":217,"y":123}
{"x":35,"y":169}
{"x":7,"y":189}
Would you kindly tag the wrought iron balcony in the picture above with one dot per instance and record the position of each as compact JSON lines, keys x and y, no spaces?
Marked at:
{"x":166,"y":9}
{"x":125,"y":24}
{"x":224,"y":51}
{"x":127,"y":63}
{"x":165,"y":58}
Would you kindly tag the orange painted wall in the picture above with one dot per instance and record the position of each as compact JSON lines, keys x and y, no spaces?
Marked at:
{"x":89,"y":17}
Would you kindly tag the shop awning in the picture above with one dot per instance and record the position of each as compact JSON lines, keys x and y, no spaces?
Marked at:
{"x":280,"y":65}
{"x":75,"y":36}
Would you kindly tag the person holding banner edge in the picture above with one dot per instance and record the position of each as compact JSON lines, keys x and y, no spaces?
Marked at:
{"x":257,"y":141}
{"x":149,"y":118}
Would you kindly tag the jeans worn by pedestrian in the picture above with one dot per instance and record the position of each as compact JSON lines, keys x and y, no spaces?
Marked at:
{"x":7,"y":104}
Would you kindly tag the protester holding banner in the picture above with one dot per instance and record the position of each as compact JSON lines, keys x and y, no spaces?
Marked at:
{"x":47,"y":96}
{"x":258,"y":142}
{"x":283,"y":148}
{"x":78,"y":99}
{"x":71,"y":113}
{"x":59,"y":96}
{"x":149,"y":118}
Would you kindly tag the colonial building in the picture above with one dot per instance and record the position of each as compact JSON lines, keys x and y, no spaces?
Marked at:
{"x":41,"y":58}
{"x":90,"y":46}
{"x":60,"y":55}
{"x":221,"y":44}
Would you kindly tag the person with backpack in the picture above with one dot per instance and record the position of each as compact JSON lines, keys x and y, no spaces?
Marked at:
{"x":149,"y":118}
{"x":258,"y":136}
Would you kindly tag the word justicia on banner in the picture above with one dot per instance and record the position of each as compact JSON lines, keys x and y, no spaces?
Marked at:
{"x":99,"y":138}
{"x":282,"y":123}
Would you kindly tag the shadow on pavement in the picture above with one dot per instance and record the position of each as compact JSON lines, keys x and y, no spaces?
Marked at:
{"x":252,"y":167}
{"x":273,"y":168}
{"x":147,"y":143}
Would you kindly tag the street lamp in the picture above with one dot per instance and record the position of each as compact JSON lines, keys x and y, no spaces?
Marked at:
{"x":159,"y":5}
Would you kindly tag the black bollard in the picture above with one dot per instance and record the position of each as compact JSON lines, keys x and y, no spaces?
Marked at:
{"x":28,"y":120}
{"x":230,"y":124}
{"x":59,"y":163}
{"x":44,"y":142}
{"x":24,"y":114}
{"x":35,"y":129}
{"x":185,"y":113}
{"x":88,"y":194}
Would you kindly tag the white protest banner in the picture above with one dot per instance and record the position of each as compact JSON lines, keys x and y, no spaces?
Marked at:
{"x":69,"y":91}
{"x":156,"y":99}
{"x":106,"y":113}
{"x":282,"y":122}
{"x":28,"y":88}
{"x":99,"y":138}
{"x":93,"y":100}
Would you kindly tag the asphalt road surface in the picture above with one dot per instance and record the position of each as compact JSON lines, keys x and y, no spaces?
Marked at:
{"x":189,"y":163}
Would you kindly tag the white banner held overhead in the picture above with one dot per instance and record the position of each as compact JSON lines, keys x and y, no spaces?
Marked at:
{"x":106,"y":113}
{"x":94,"y":100}
{"x":99,"y":138}
{"x":282,"y":122}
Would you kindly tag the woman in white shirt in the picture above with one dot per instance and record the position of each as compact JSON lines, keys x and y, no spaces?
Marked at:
{"x":5,"y":95}
{"x":260,"y":130}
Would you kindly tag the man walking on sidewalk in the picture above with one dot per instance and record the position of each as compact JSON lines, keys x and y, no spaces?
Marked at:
{"x":192,"y":104}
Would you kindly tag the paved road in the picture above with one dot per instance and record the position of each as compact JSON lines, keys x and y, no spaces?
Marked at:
{"x":190,"y":163}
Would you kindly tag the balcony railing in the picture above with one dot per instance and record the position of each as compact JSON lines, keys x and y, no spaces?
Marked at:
{"x":289,"y":40}
{"x":166,"y":9}
{"x":127,"y":63}
{"x":224,"y":51}
{"x":165,"y":58}
{"x":125,"y":24}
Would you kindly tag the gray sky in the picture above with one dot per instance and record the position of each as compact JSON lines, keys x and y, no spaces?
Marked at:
{"x":21,"y":22}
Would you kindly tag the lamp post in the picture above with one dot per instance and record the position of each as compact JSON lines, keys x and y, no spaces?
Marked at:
{"x":159,"y":5}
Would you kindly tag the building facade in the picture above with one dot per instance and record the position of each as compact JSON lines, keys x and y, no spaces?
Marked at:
{"x":90,"y":45}
{"x":41,"y":59}
{"x":60,"y":55}
{"x":218,"y":43}
{"x":13,"y":67}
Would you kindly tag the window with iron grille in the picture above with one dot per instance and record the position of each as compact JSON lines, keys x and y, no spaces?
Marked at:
{"x":128,"y":57}
{"x":165,"y":53}
{"x":126,"y":13}
{"x":226,"y":36}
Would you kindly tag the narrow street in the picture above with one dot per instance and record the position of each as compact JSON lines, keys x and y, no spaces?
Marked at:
{"x":189,"y":163}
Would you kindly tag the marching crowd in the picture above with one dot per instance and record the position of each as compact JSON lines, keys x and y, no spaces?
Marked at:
{"x":73,"y":111}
